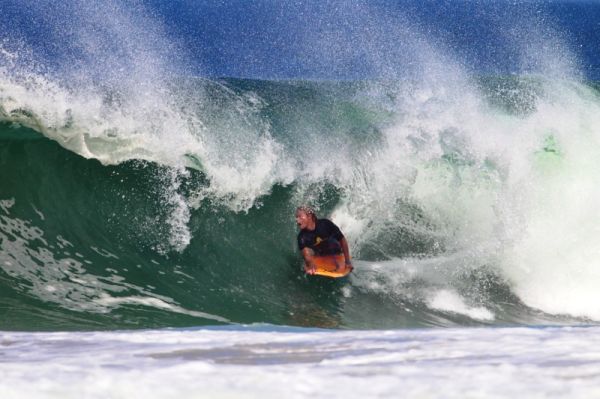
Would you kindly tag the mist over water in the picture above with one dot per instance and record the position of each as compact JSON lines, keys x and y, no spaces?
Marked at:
{"x":165,"y":195}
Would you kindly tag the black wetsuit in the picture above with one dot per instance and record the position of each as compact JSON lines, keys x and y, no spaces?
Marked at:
{"x":323,"y":240}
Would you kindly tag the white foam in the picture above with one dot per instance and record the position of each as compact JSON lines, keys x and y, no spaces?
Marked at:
{"x":109,"y":301}
{"x":449,"y":301}
{"x":508,"y":199}
{"x":275,"y":363}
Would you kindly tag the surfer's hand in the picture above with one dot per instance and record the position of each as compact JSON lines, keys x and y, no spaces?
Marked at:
{"x":310,"y":269}
{"x":349,"y":266}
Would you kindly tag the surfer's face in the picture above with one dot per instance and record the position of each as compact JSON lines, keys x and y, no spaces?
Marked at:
{"x":303,"y":219}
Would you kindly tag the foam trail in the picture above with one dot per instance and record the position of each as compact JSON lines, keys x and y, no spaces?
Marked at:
{"x":451,"y":302}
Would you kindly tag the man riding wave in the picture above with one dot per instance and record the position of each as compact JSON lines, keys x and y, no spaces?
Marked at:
{"x":320,"y":237}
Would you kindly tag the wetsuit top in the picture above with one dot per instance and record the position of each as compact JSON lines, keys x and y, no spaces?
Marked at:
{"x":323,"y":240}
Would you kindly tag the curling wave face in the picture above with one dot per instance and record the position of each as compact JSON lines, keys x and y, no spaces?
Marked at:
{"x":452,"y":210}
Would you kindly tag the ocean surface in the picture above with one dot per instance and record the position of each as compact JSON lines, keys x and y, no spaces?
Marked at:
{"x":152,"y":156}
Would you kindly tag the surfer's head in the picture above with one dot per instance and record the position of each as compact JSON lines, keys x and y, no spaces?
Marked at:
{"x":305,"y":217}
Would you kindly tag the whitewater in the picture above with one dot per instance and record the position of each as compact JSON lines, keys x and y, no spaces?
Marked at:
{"x":152,"y":157}
{"x":268,"y":362}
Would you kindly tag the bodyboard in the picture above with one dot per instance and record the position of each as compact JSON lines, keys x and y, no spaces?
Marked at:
{"x":325,"y":266}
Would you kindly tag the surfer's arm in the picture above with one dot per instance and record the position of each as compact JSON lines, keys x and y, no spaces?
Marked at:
{"x":309,"y":266}
{"x":346,"y":252}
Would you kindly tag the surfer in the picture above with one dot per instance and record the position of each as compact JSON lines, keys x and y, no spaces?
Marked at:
{"x":320,"y":237}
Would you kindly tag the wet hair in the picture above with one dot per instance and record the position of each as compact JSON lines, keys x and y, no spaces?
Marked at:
{"x":307,"y":210}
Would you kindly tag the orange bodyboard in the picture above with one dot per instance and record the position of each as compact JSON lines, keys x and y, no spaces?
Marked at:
{"x":326,"y":266}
